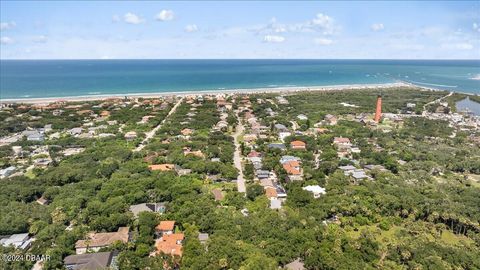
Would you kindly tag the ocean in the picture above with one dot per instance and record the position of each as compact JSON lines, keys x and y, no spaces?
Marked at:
{"x":67,"y":78}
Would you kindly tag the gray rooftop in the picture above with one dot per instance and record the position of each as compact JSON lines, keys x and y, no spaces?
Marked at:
{"x":203,"y":237}
{"x":91,"y":261}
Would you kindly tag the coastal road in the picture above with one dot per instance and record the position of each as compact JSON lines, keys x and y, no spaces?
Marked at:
{"x":151,"y":133}
{"x":237,"y":157}
{"x":424,"y":113}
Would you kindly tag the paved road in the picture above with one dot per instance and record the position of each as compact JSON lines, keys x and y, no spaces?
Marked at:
{"x":237,"y":157}
{"x":151,"y":133}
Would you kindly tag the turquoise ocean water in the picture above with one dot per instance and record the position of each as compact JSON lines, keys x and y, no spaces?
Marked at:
{"x":65,"y":78}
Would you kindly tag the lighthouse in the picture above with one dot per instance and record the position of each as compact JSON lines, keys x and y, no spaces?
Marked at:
{"x":378,"y":111}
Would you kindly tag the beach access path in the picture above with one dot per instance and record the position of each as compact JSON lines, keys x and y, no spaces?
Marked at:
{"x":151,"y":133}
{"x":237,"y":156}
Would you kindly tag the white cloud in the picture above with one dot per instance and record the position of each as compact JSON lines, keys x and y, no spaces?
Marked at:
{"x":6,"y":40}
{"x":7,"y":25}
{"x":191,"y":28}
{"x":377,"y":27}
{"x":40,"y":39}
{"x":323,"y":41}
{"x":165,"y":15}
{"x":273,"y":39}
{"x":324,"y":22}
{"x":133,"y":18}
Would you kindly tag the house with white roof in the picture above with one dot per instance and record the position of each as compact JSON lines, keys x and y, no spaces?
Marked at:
{"x":316,"y":190}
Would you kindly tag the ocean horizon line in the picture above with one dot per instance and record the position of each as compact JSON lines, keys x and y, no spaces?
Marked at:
{"x":239,"y":59}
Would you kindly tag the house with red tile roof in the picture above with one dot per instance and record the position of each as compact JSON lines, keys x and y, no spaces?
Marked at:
{"x":162,"y":167}
{"x":299,"y":145}
{"x":165,"y":227}
{"x":170,"y":244}
{"x":293,"y":170}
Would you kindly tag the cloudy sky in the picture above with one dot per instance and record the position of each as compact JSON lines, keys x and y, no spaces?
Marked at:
{"x":200,"y":29}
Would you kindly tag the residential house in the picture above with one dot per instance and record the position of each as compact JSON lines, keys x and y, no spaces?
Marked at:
{"x":75,"y":131}
{"x":180,"y":171}
{"x":162,"y":167}
{"x":131,"y":135}
{"x":262,"y":174}
{"x":281,"y":193}
{"x":281,"y":100}
{"x":96,"y":241}
{"x":266,"y":182}
{"x":283,"y":135}
{"x":254,"y":154}
{"x":43,"y":201}
{"x":331,"y":119}
{"x":302,"y":117}
{"x":104,"y":113}
{"x":298,"y":145}
{"x":286,"y":158}
{"x":72,"y":151}
{"x":359,"y":175}
{"x":271,"y":193}
{"x":165,"y":227}
{"x":20,"y":241}
{"x":248,"y":138}
{"x":197,"y":153}
{"x":7,"y":172}
{"x":221,"y":125}
{"x":375,"y":167}
{"x":42,"y":162}
{"x":203,"y":238}
{"x":280,"y":128}
{"x":293,"y":170}
{"x":275,"y":203}
{"x":186,"y":132}
{"x":347,"y":170}
{"x":170,"y":244}
{"x":91,"y":261}
{"x":356,"y":174}
{"x":136,"y":209}
{"x":340,"y":141}
{"x":316,"y":190}
{"x":280,"y":146}
{"x":36,"y":137}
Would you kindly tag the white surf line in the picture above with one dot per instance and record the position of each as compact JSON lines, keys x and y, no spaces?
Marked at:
{"x":150,"y":134}
{"x":432,"y":84}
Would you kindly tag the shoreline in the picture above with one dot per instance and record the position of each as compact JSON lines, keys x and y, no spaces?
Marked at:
{"x":285,"y":90}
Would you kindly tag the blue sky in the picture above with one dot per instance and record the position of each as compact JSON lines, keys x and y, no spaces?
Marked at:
{"x":270,"y":29}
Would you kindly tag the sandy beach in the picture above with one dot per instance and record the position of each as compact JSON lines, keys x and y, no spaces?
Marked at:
{"x":283,"y":90}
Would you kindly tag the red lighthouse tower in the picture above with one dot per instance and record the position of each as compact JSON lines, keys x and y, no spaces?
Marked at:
{"x":378,"y":111}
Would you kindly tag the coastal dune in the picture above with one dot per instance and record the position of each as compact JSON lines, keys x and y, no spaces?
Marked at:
{"x":283,"y":90}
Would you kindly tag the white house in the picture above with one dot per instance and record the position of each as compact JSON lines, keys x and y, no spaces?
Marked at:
{"x":316,"y":190}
